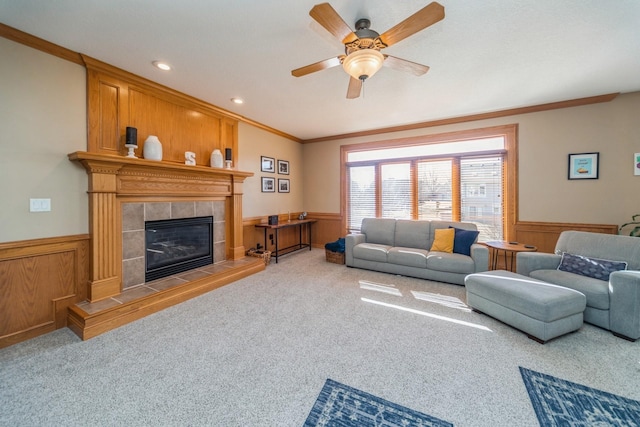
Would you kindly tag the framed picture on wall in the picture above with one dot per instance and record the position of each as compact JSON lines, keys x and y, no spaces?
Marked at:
{"x":636,"y":164}
{"x":267,"y":164}
{"x":268,"y":185}
{"x":283,"y":185}
{"x":283,"y":167}
{"x":583,"y":165}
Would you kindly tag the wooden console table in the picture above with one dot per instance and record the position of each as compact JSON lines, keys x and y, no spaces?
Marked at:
{"x":294,"y":223}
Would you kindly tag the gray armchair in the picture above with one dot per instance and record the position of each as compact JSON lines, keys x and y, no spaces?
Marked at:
{"x":613,"y":297}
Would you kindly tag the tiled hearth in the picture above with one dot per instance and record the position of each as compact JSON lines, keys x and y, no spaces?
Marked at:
{"x":167,"y":283}
{"x":134,"y":216}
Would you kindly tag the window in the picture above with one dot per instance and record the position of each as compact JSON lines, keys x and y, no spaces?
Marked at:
{"x":434,"y":190}
{"x":463,"y":176}
{"x":362,"y":191}
{"x":396,"y":190}
{"x":481,"y":195}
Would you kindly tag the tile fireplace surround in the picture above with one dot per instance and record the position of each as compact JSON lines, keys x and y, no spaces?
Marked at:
{"x":123,"y":192}
{"x":134,"y":216}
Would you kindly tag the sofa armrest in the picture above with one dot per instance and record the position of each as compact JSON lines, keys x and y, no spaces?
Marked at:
{"x":480,"y":255}
{"x":624,"y":304}
{"x":349,"y":242}
{"x":526,"y":262}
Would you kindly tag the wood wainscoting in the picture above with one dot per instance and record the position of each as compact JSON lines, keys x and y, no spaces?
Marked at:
{"x":327,"y":228}
{"x":39,"y":280}
{"x":544,"y":235}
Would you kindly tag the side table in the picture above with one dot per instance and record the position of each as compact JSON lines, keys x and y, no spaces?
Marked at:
{"x":512,"y":247}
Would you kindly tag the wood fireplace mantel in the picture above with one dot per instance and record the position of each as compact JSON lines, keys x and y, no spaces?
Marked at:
{"x":116,"y":179}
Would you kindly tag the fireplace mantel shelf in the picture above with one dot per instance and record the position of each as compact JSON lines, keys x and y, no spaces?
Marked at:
{"x":118,"y":162}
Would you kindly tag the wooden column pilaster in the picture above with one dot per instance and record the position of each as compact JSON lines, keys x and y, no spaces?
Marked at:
{"x":106,"y":238}
{"x":235,"y":247}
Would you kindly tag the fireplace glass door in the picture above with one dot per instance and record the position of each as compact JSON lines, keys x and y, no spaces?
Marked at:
{"x":177,"y":245}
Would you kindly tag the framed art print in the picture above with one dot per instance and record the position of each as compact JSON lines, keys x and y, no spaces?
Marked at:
{"x":283,"y":185}
{"x":268,"y":185}
{"x":583,"y":165}
{"x":283,"y":167}
{"x":636,"y":164}
{"x":267,"y":164}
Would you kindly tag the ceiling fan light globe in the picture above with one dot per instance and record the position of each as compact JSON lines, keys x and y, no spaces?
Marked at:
{"x":363,"y":64}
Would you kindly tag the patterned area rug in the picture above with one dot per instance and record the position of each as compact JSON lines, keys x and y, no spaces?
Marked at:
{"x":343,"y":406}
{"x":562,"y":403}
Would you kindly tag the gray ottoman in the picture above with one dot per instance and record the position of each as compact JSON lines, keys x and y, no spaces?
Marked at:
{"x":542,"y":310}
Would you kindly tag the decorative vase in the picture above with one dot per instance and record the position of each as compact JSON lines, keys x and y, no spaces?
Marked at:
{"x":152,"y":149}
{"x":216,"y":159}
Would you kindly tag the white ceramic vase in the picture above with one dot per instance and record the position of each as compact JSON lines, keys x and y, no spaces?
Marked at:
{"x":152,"y":149}
{"x":216,"y":159}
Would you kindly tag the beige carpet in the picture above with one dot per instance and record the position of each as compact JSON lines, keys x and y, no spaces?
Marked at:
{"x":257,"y":353}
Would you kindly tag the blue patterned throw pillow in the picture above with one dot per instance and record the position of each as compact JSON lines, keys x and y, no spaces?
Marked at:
{"x":590,"y":267}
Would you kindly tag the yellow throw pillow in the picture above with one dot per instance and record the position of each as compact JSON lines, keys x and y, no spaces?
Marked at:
{"x":443,"y":240}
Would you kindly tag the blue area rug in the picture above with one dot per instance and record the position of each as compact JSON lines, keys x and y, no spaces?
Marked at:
{"x":343,"y":406}
{"x":562,"y":403}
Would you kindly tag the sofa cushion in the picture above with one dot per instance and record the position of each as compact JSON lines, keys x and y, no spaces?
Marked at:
{"x":463,"y":240}
{"x":590,"y":267}
{"x":410,"y":257}
{"x":443,"y":240}
{"x":450,"y":263}
{"x":596,"y":291}
{"x":412,"y":234}
{"x":379,"y":230}
{"x":371,"y":252}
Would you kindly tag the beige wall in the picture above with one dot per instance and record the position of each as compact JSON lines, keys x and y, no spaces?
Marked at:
{"x":42,"y":119}
{"x":253,"y":143}
{"x":545,"y":140}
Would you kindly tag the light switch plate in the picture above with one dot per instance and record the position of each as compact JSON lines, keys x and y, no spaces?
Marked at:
{"x":39,"y":205}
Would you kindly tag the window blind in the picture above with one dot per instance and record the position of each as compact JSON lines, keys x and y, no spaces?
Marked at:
{"x":396,"y":190}
{"x":434,"y":190}
{"x":362,"y":195}
{"x":481,"y":195}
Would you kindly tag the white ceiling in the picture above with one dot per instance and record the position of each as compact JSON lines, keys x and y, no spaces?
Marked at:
{"x":484,"y":56}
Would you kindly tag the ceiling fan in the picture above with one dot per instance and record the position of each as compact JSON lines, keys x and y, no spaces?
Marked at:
{"x":362,"y":58}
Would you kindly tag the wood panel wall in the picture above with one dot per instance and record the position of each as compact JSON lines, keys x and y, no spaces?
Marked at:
{"x":544,"y":235}
{"x":327,"y":228}
{"x":39,"y":279}
{"x":118,"y":99}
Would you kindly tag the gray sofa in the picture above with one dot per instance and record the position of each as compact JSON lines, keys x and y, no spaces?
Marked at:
{"x":613,"y":302}
{"x":402,"y":247}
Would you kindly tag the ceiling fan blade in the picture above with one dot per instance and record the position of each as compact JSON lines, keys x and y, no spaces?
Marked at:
{"x":420,"y":20}
{"x":327,"y":16}
{"x":318,"y":66}
{"x":404,"y":65}
{"x":355,"y":86}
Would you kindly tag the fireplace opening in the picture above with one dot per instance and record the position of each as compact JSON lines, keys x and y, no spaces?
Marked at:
{"x":176,"y":245}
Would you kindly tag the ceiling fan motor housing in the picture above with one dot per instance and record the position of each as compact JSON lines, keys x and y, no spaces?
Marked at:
{"x":366,"y":38}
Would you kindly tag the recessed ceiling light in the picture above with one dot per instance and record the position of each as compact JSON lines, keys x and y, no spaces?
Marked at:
{"x":237,"y":100}
{"x":162,"y":65}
